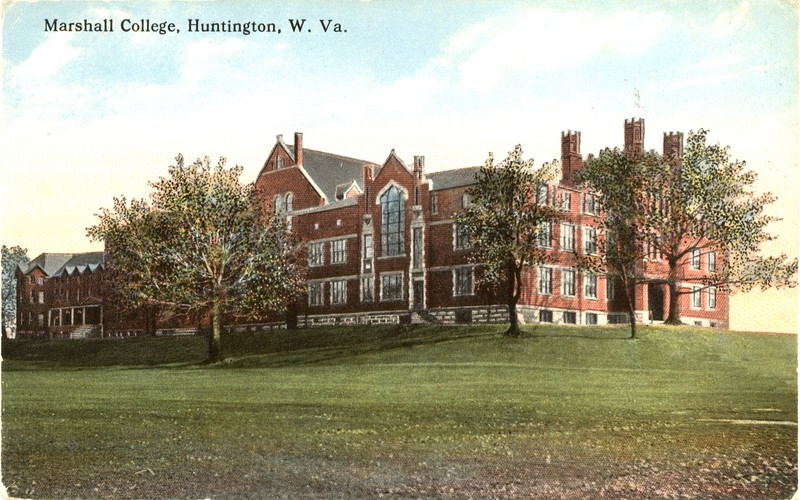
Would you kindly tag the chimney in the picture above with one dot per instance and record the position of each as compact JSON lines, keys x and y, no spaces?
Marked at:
{"x":367,"y":176}
{"x":571,"y":159}
{"x":298,"y":148}
{"x":634,"y":137}
{"x":673,"y":147}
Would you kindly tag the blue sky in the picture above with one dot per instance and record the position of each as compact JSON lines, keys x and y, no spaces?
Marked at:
{"x":88,"y":116}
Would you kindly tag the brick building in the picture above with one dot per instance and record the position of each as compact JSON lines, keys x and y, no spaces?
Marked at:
{"x":60,"y":295}
{"x":383,"y":244}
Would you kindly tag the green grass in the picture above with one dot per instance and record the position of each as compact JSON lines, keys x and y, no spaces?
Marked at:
{"x":404,"y":411}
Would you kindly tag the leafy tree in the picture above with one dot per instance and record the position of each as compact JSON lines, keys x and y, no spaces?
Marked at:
{"x":619,"y":183}
{"x":11,"y":258}
{"x":700,"y":203}
{"x":201,"y":244}
{"x":504,"y":219}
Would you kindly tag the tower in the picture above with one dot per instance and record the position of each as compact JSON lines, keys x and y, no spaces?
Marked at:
{"x":571,"y":159}
{"x":634,"y":137}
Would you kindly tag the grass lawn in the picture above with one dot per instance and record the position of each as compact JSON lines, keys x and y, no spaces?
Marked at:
{"x":405,"y":411}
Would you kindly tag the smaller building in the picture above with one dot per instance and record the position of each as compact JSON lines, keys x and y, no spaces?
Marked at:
{"x":61,"y":295}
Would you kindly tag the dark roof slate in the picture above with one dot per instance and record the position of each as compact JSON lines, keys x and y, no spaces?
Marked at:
{"x":331,"y":170}
{"x":448,"y":179}
{"x":55,"y":264}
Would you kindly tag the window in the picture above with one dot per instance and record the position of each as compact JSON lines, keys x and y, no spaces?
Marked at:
{"x":417,"y":260}
{"x":392,"y":222}
{"x":711,"y":262}
{"x":316,"y":254}
{"x":338,"y":292}
{"x":545,"y":280}
{"x":570,"y":317}
{"x":545,"y":316}
{"x":289,"y":202}
{"x":544,"y":236}
{"x":567,"y":237}
{"x":338,"y":251}
{"x":590,"y":286}
{"x":696,"y":297}
{"x":33,"y":297}
{"x":392,"y":287}
{"x":465,"y":201}
{"x":610,"y":288}
{"x":461,"y":240}
{"x":566,"y":201}
{"x":434,"y":204}
{"x":712,"y":297}
{"x":33,"y":280}
{"x":315,"y":294}
{"x":568,"y":282}
{"x":462,"y":279}
{"x":696,"y":259}
{"x":541,"y":195}
{"x":40,"y":281}
{"x":279,"y":205}
{"x":591,"y":204}
{"x":590,"y":241}
{"x":591,"y":318}
{"x":41,"y":320}
{"x":367,"y":289}
{"x":367,"y":253}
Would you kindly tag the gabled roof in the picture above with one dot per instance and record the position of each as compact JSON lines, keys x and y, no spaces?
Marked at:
{"x":56,"y":264}
{"x":329,"y":170}
{"x":448,"y":179}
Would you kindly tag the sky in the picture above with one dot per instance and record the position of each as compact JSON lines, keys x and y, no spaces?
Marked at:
{"x":88,"y":116}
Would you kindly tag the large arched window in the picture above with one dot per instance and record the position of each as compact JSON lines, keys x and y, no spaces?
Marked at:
{"x":392,"y":222}
{"x":279,"y":206}
{"x":289,"y":202}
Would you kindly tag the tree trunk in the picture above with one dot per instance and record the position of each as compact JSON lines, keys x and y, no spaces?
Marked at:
{"x":514,"y":292}
{"x":674,"y":315}
{"x":632,"y":308}
{"x":215,"y":336}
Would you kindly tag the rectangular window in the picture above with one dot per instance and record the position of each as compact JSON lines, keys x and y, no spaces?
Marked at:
{"x":338,"y":251}
{"x":461,"y":240}
{"x":463,"y":282}
{"x":434,"y":204}
{"x":368,"y":253}
{"x":568,"y":282}
{"x":711,"y":262}
{"x":545,"y":280}
{"x":590,"y":286}
{"x":567,"y":237}
{"x":712,"y":297}
{"x":367,"y":289}
{"x":590,"y":240}
{"x":570,"y":318}
{"x":695,"y":259}
{"x":392,"y":287}
{"x":33,"y":280}
{"x":338,"y":292}
{"x":696,"y":297}
{"x":610,"y":289}
{"x":316,"y":254}
{"x":33,"y":297}
{"x":417,"y":237}
{"x":545,"y":316}
{"x":40,"y":281}
{"x":541,"y":195}
{"x":41,"y":320}
{"x":566,"y":201}
{"x":545,"y":234}
{"x":315,"y":294}
{"x":591,"y":318}
{"x":591,"y":204}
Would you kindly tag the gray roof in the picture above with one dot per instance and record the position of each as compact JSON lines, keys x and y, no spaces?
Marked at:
{"x":458,"y":177}
{"x":55,"y":264}
{"x":331,"y":170}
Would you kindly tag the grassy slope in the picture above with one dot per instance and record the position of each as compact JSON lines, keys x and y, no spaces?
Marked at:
{"x":411,"y":411}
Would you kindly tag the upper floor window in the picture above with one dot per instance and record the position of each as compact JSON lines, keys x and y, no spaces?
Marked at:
{"x":289,"y":202}
{"x":544,"y":236}
{"x":545,"y":280}
{"x":434,"y":204}
{"x":696,"y":297}
{"x":695,"y":259}
{"x":711,"y":262}
{"x":591,"y":204}
{"x":566,"y":201}
{"x":280,"y":205}
{"x":338,"y":292}
{"x":590,"y":241}
{"x":338,"y":251}
{"x":541,"y":195}
{"x":609,"y":288}
{"x":392,"y":286}
{"x":568,"y":282}
{"x":462,"y":281}
{"x":40,"y":281}
{"x":712,"y":297}
{"x":461,"y":236}
{"x":315,"y":294}
{"x":465,"y":201}
{"x":316,"y":254}
{"x":590,"y":286}
{"x":392,"y":222}
{"x":567,"y":238}
{"x":367,"y":253}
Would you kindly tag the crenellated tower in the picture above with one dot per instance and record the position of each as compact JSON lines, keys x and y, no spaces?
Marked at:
{"x":571,"y":159}
{"x":634,"y":137}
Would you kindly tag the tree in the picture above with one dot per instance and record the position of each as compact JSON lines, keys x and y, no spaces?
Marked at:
{"x":689,"y":207}
{"x":11,"y":257}
{"x":201,"y":244}
{"x":505,"y":217}
{"x":619,"y":183}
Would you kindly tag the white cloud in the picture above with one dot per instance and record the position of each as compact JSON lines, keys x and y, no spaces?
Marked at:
{"x":726,"y":23}
{"x":205,"y":57}
{"x":47,"y":59}
{"x":544,"y":40}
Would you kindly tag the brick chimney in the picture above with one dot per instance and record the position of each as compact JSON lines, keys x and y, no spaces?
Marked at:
{"x":298,"y":148}
{"x":571,"y":159}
